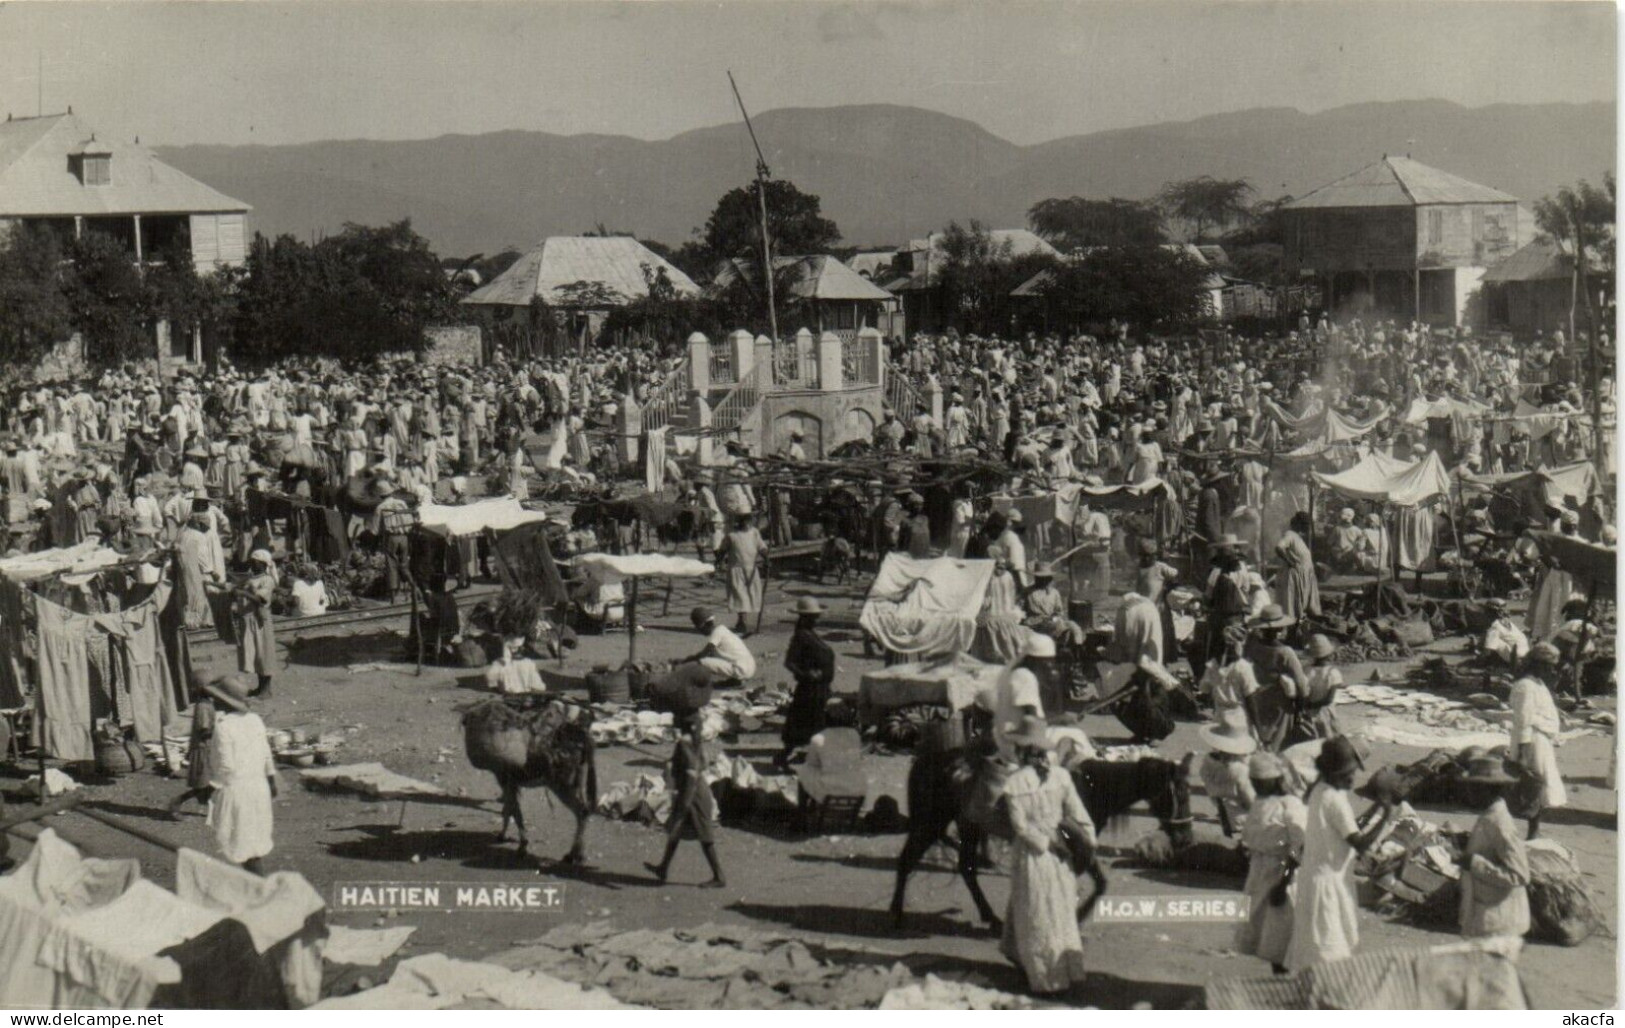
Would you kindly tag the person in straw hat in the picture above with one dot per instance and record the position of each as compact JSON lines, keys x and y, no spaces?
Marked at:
{"x":1223,"y":770}
{"x":811,"y":662}
{"x":1278,"y":670}
{"x":1040,"y":923}
{"x":1312,"y":706}
{"x":1273,"y":839}
{"x":1535,"y":726}
{"x":1046,"y":608}
{"x":693,"y":808}
{"x":1325,"y":918}
{"x":1495,"y":869}
{"x":242,"y":777}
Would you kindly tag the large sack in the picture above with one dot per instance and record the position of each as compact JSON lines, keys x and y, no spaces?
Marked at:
{"x":1561,"y":908}
{"x":685,"y":690}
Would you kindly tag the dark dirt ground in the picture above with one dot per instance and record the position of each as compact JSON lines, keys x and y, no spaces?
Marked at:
{"x":833,"y":889}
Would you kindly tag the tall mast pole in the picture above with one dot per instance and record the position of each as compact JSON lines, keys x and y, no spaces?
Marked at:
{"x":762,"y":175}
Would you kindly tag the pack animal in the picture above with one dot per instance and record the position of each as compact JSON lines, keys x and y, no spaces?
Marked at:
{"x":949,"y":788}
{"x":526,"y":743}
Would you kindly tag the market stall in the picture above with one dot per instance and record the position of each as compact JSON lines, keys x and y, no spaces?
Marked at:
{"x":437,"y":546}
{"x":634,"y":567}
{"x":925,"y":607}
{"x":104,"y":670}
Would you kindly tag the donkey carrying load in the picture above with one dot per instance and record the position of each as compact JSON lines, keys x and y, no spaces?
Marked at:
{"x":526,"y":742}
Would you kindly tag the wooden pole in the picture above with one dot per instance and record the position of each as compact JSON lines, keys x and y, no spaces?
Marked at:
{"x":632,"y":621}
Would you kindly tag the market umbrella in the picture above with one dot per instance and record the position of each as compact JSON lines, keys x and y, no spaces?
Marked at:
{"x":633,"y":566}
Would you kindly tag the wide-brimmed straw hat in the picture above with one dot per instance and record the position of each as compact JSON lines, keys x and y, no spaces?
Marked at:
{"x":1265,"y":766}
{"x":1272,"y":616}
{"x":228,"y":689}
{"x":1320,"y":646}
{"x":1229,"y":734}
{"x":808,"y":605}
{"x":1488,"y":770}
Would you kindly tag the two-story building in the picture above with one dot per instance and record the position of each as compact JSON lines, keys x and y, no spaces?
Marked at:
{"x":1398,"y":239}
{"x":56,"y":172}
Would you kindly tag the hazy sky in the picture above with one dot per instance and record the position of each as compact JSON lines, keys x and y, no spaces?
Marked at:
{"x":1029,"y":71}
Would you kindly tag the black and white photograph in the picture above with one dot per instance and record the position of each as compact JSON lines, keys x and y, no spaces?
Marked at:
{"x":758,"y":505}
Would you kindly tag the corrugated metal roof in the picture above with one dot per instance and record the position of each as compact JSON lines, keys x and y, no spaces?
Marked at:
{"x":826,"y":278}
{"x":614,"y":262}
{"x":1540,"y":261}
{"x":1399,"y":182}
{"x":36,"y":179}
{"x":816,"y":277}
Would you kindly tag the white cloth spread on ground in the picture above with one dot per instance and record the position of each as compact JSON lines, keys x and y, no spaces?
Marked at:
{"x":435,"y":981}
{"x":370,"y":779}
{"x":367,"y":947}
{"x":926,"y":606}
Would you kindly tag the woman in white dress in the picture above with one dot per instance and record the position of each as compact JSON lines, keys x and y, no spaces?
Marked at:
{"x":1041,"y":922}
{"x":1325,"y":922}
{"x":1535,"y":726}
{"x":244,"y":778}
{"x":1273,"y":838}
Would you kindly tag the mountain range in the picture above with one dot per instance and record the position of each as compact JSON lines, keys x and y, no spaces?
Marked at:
{"x":886,"y":173}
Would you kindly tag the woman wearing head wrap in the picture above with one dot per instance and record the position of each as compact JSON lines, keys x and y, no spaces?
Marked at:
{"x":1273,"y":838}
{"x":1299,"y":589}
{"x":256,"y":641}
{"x":1041,"y":924}
{"x":1535,"y":726}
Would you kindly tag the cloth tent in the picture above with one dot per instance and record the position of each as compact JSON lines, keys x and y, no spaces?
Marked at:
{"x":1548,"y":486}
{"x":92,"y":933}
{"x":498,"y":515}
{"x":1390,"y":480}
{"x":926,"y":607}
{"x":1588,"y":562}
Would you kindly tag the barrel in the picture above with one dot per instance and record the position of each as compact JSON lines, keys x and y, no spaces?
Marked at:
{"x":1081,"y":613}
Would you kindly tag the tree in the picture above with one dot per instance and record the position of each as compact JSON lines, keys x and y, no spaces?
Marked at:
{"x":360,"y":293}
{"x":977,"y":275}
{"x":110,"y":303}
{"x":1580,"y":218}
{"x":1076,"y":223}
{"x":1206,"y":201}
{"x":795,"y":221}
{"x":34,"y":309}
{"x":1144,"y":285}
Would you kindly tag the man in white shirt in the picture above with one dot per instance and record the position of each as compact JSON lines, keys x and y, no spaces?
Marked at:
{"x":725,"y":654}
